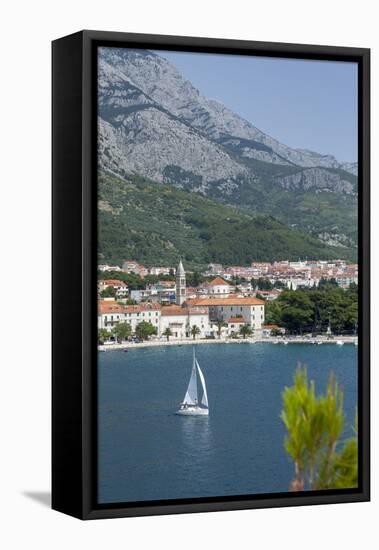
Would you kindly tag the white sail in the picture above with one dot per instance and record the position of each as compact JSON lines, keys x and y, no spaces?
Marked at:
{"x":204,"y":399}
{"x":191,"y":394}
{"x":191,"y":403}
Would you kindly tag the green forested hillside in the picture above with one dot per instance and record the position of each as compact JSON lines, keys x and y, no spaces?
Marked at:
{"x":317,"y":212}
{"x":156,"y":224}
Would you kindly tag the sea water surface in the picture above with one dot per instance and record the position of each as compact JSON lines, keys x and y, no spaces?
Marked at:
{"x":146,"y":452}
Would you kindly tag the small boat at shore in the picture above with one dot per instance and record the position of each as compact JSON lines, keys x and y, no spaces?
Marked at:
{"x":192,"y":404}
{"x":339,"y":343}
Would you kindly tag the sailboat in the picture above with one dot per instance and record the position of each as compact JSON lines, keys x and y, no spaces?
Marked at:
{"x":195,"y":402}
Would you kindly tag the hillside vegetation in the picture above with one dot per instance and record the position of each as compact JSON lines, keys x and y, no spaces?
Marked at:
{"x":156,"y":224}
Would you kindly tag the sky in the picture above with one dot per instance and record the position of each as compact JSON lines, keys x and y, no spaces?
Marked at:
{"x":304,"y":104}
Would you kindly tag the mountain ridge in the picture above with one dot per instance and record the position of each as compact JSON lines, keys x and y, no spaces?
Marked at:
{"x":163,"y":83}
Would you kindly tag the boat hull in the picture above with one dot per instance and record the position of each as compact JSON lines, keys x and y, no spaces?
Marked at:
{"x":193,"y":411}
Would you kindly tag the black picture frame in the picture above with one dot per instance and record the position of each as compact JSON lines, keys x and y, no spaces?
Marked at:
{"x":74,"y":202}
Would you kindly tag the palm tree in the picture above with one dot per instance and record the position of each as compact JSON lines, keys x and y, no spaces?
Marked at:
{"x":167,"y":333}
{"x":195,"y":331}
{"x":245,"y":330}
{"x":220,"y":324}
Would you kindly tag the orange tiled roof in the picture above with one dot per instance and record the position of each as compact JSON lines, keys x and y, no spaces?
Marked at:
{"x":167,"y":284}
{"x":178,"y":310}
{"x":174,"y":310}
{"x":218,"y":281}
{"x":110,"y":307}
{"x":113,"y":307}
{"x":230,"y":301}
{"x":197,"y":311}
{"x":148,"y":306}
{"x":236,"y":320}
{"x":112,"y":282}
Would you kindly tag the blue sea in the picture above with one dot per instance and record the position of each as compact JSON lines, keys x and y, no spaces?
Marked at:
{"x":146,"y":452}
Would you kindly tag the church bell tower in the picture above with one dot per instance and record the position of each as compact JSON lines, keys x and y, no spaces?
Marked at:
{"x":180,"y":284}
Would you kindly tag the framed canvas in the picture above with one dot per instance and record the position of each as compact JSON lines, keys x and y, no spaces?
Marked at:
{"x":210,"y":240}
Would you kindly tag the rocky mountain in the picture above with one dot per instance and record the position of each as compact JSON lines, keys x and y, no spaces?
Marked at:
{"x":316,"y":178}
{"x":155,"y":123}
{"x":351,"y":167}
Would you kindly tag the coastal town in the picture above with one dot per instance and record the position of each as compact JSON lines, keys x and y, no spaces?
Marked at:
{"x":172,"y":304}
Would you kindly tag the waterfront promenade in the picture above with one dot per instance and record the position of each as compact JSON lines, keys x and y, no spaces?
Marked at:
{"x":252,"y":340}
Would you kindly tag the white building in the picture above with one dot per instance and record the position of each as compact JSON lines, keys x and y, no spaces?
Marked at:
{"x":180,"y":321}
{"x":269,"y":295}
{"x":142,"y":294}
{"x":219,"y":287}
{"x":295,"y":282}
{"x":156,"y":293}
{"x":233,"y":325}
{"x":267,"y":330}
{"x":106,"y":267}
{"x":215,"y":269}
{"x":251,"y":310}
{"x":245,"y":288}
{"x":110,"y":313}
{"x":345,"y":281}
{"x":130,"y":266}
{"x":298,"y":266}
{"x":161,"y":270}
{"x":120,"y":287}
